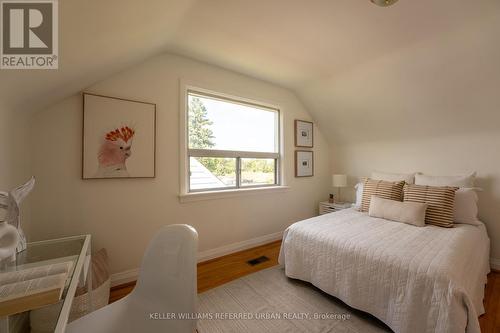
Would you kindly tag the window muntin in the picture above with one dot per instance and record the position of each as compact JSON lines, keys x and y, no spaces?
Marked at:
{"x":232,"y":144}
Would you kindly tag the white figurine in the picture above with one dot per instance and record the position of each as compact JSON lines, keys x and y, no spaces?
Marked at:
{"x":10,"y":202}
{"x":9,"y":238}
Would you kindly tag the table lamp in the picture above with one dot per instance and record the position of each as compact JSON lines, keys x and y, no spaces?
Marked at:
{"x":339,"y":181}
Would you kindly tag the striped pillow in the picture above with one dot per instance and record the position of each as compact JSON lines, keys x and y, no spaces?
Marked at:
{"x":439,"y":199}
{"x":381,"y":189}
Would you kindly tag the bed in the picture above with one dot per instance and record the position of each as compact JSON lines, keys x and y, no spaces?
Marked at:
{"x":414,"y":279}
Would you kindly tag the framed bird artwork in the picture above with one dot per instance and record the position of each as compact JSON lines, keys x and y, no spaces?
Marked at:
{"x":119,"y":138}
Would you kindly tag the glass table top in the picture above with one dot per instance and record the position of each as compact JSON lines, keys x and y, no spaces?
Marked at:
{"x":52,"y":252}
{"x":46,"y":252}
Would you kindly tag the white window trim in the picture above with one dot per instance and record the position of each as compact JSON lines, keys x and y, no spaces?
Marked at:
{"x":209,"y":195}
{"x":185,"y":195}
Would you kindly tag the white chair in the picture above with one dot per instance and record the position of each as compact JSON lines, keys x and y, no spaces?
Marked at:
{"x":166,"y":285}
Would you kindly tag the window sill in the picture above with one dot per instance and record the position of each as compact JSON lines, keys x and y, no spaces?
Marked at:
{"x":210,"y":195}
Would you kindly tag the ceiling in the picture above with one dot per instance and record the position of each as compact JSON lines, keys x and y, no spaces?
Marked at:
{"x":404,"y":70}
{"x":96,"y":39}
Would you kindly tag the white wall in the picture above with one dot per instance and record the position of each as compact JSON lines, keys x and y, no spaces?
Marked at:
{"x":448,"y":155}
{"x":122,"y":215}
{"x":15,"y":157}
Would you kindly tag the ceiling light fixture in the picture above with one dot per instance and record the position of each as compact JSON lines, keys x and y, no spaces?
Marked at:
{"x":384,"y":3}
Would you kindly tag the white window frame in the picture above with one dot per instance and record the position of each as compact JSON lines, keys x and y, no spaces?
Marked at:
{"x":185,"y":152}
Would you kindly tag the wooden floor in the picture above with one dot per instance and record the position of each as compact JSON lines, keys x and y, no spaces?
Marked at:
{"x":216,"y":272}
{"x":490,"y":321}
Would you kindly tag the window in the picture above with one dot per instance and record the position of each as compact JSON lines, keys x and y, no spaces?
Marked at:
{"x":231,"y":144}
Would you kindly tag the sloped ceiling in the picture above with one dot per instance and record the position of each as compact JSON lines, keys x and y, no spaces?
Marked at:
{"x":417,"y":68}
{"x":96,"y":39}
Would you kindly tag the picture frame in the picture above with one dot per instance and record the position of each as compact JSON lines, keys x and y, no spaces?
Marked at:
{"x":118,"y":138}
{"x":304,"y":163}
{"x":304,"y":134}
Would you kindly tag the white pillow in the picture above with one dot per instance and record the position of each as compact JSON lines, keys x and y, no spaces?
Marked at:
{"x":409,"y":178}
{"x":359,"y":195}
{"x":465,"y":209}
{"x":406,"y":212}
{"x":454,"y":181}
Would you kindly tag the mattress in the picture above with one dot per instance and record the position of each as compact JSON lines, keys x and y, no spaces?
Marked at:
{"x":414,"y":279}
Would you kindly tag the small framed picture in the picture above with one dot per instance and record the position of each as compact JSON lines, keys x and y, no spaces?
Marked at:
{"x":304,"y":136}
{"x":304,"y":163}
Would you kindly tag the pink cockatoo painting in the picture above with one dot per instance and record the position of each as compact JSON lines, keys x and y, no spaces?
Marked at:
{"x":115,"y":149}
{"x":119,"y":138}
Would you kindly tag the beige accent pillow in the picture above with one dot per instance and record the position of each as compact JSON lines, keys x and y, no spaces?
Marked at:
{"x":409,"y":178}
{"x":452,"y":181}
{"x":465,"y":209}
{"x":382,"y":189}
{"x":406,"y":212}
{"x":440,"y":201}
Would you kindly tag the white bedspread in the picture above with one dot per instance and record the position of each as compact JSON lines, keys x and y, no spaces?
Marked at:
{"x":415,"y":279}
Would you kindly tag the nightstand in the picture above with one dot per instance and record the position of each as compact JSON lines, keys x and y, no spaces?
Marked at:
{"x":325,"y":207}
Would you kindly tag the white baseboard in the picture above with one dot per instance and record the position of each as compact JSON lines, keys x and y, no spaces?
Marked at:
{"x":240,"y":246}
{"x":132,"y":274}
{"x":495,"y":264}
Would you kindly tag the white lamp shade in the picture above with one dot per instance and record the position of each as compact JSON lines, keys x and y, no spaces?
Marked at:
{"x":339,"y":180}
